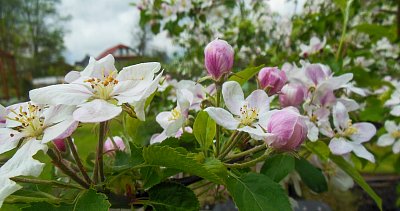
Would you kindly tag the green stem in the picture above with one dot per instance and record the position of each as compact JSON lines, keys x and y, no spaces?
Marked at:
{"x":77,"y":159}
{"x":231,"y":138}
{"x":13,"y":199}
{"x":344,"y":28}
{"x":218,"y":129}
{"x":250,"y":163}
{"x":231,"y":146}
{"x":45,"y":182}
{"x":99,"y":166}
{"x":57,"y":161}
{"x":250,"y":151}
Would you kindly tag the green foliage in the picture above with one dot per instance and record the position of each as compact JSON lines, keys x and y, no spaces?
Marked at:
{"x":257,"y":192}
{"x":90,"y":200}
{"x":311,"y":176}
{"x":46,"y":206}
{"x":204,"y":130}
{"x":172,"y":158}
{"x":245,"y":75}
{"x":170,"y":196}
{"x":278,"y":166}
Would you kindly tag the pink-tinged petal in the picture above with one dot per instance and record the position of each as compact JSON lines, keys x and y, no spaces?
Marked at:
{"x":163,"y":118}
{"x":260,"y":100}
{"x":233,"y":96}
{"x":313,"y":131}
{"x":339,"y":81}
{"x":361,"y":152}
{"x":365,"y":131}
{"x":395,"y":111}
{"x":391,"y":126}
{"x":340,"y":146}
{"x":112,"y":145}
{"x":223,"y":117}
{"x":72,"y":76}
{"x":66,"y":94}
{"x":396,"y":147}
{"x":350,"y":104}
{"x":315,"y":73}
{"x":9,"y":139}
{"x":340,"y":116}
{"x":96,"y":111}
{"x":385,"y":140}
{"x":21,"y":164}
{"x":60,"y":130}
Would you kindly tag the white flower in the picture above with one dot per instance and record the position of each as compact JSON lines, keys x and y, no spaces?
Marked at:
{"x":33,"y":125}
{"x":317,"y":122}
{"x":99,"y":91}
{"x":393,"y":136}
{"x":2,"y":116}
{"x":198,"y":91}
{"x":243,"y":115}
{"x":172,"y":121}
{"x":394,"y":102}
{"x":315,"y":46}
{"x":358,"y":133}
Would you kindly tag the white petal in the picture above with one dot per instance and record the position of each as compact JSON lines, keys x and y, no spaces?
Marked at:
{"x":139,"y":107}
{"x":340,"y":116}
{"x":395,"y":111}
{"x":365,"y":131}
{"x":58,"y":113}
{"x":21,"y":164}
{"x":72,"y":76}
{"x":340,"y":146}
{"x":313,"y":131}
{"x":223,"y":117}
{"x":396,"y":147}
{"x":260,"y":100}
{"x":100,"y":68}
{"x":158,"y":138}
{"x":7,"y":142}
{"x":174,"y":126}
{"x":96,"y":111}
{"x":67,"y":94}
{"x":350,"y":104}
{"x":60,"y":130}
{"x":385,"y":140}
{"x":162,"y":118}
{"x":233,"y":96}
{"x":361,"y":152}
{"x":255,"y":132}
{"x":390,"y":126}
{"x":336,"y":82}
{"x":143,"y":71}
{"x":341,"y":180}
{"x":3,"y":114}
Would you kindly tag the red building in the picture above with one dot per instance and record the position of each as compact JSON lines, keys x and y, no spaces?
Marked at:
{"x":120,"y":52}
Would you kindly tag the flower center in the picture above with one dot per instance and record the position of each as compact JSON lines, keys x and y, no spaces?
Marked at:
{"x":103,"y":88}
{"x":314,"y":118}
{"x":395,"y":134}
{"x":32,"y":125}
{"x":350,"y":130}
{"x":248,"y":115}
{"x":175,"y":114}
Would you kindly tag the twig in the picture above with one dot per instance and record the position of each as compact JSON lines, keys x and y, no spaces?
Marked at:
{"x":45,"y":182}
{"x":78,"y":160}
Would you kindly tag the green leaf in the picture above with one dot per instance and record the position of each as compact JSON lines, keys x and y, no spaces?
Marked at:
{"x":90,"y":200}
{"x":171,"y":196}
{"x":244,"y":75}
{"x":351,"y":171}
{"x":319,"y":148}
{"x":311,"y":176}
{"x":253,"y":192}
{"x":204,"y":129}
{"x":217,"y":167}
{"x":171,"y":158}
{"x":376,"y":31}
{"x":341,"y":4}
{"x":47,"y":206}
{"x":278,"y":167}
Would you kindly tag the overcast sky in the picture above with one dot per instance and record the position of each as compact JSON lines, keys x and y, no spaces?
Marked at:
{"x":96,"y":25}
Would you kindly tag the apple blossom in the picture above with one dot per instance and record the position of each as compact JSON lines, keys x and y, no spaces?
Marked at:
{"x":197,"y":90}
{"x":358,"y":133}
{"x":99,"y":91}
{"x":393,"y":136}
{"x":60,"y":144}
{"x":271,"y":79}
{"x":34,"y":125}
{"x":218,"y":58}
{"x":292,"y":95}
{"x":317,"y":122}
{"x":394,"y":102}
{"x":315,"y":46}
{"x":112,"y":145}
{"x":243,"y":114}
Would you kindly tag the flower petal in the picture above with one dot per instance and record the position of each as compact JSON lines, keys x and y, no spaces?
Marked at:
{"x":391,"y":126}
{"x":385,"y":140}
{"x":142,"y":71}
{"x":72,"y":76}
{"x":256,"y":132}
{"x":340,"y":116}
{"x":139,"y":107}
{"x":9,"y":139}
{"x":223,"y":117}
{"x":396,"y":147}
{"x":58,"y":113}
{"x":365,"y":131}
{"x":233,"y":96}
{"x":67,"y":94}
{"x":395,"y":111}
{"x":100,"y":68}
{"x":3,"y":115}
{"x":260,"y":100}
{"x":162,"y":118}
{"x":158,"y":138}
{"x":361,"y":152}
{"x":60,"y":130}
{"x":313,"y":131}
{"x":340,"y":146}
{"x":21,"y":164}
{"x":96,"y":111}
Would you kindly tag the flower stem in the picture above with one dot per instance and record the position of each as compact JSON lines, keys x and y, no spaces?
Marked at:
{"x":252,"y":162}
{"x":218,"y":129}
{"x":57,"y":161}
{"x":235,"y":135}
{"x":247,"y":152}
{"x":344,"y":28}
{"x":78,"y":160}
{"x":45,"y":182}
{"x":232,"y":145}
{"x":99,"y":166}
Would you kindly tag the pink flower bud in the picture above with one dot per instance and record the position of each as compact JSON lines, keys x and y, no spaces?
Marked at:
{"x":60,"y":145}
{"x":218,"y":58}
{"x":272,"y":79}
{"x":292,"y":95}
{"x":110,"y":147}
{"x":289,"y":129}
